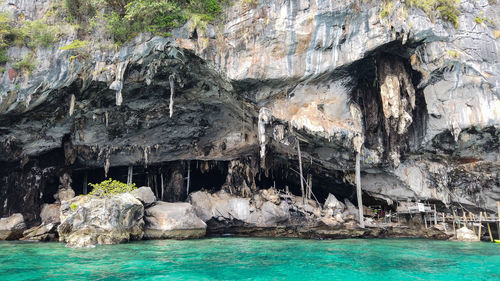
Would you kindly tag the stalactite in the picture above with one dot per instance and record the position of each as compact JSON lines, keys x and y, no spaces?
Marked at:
{"x":72,"y":105}
{"x":171,"y":106}
{"x":147,"y":150}
{"x":264,"y":119}
{"x":106,"y":166}
{"x":119,"y":98}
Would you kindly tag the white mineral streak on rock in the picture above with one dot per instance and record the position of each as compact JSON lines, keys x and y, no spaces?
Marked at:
{"x":117,"y":85}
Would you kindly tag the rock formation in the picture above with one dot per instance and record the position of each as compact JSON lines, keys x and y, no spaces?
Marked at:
{"x":420,"y":94}
{"x":89,"y":220}
{"x":173,"y":220}
{"x":11,"y":228}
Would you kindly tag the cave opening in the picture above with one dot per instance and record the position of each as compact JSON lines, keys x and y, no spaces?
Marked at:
{"x":208,"y":175}
{"x":203,"y":175}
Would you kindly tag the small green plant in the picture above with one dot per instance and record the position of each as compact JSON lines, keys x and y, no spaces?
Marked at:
{"x":110,"y":187}
{"x":27,"y":64}
{"x":75,"y":45}
{"x":453,"y":54}
{"x":387,"y":9}
{"x":485,"y":20}
{"x":73,"y":206}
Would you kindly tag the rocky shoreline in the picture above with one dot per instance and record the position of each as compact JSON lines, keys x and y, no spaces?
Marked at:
{"x":85,"y":221}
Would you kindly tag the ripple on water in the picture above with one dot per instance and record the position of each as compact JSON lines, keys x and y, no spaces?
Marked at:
{"x":254,"y":259}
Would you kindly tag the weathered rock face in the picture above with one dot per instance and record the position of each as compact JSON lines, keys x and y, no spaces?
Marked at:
{"x":173,"y":220}
{"x":12,"y":228}
{"x":50,"y":213}
{"x":422,"y":96}
{"x":88,"y":220}
{"x":44,"y":232}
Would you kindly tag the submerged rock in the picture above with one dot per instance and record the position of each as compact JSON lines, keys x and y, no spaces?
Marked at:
{"x":12,"y":228}
{"x":90,"y":220}
{"x":173,"y":220}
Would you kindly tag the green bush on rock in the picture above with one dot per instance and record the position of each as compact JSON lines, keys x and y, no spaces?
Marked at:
{"x":110,"y":187}
{"x":447,"y":9}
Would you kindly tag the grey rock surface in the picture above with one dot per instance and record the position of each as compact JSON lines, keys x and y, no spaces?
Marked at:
{"x":89,"y":220}
{"x":50,"y":213}
{"x":11,"y":228}
{"x":145,"y":195}
{"x":173,"y":221}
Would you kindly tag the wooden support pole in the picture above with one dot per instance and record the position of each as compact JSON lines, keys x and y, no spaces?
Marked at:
{"x":488,"y":225}
{"x":435,"y":215}
{"x":309,"y":186}
{"x":425,"y":220}
{"x":480,"y":225}
{"x":188,"y":178}
{"x":358,"y":191}
{"x":85,"y":182}
{"x":301,"y":175}
{"x":162,"y":186}
{"x":498,"y":215}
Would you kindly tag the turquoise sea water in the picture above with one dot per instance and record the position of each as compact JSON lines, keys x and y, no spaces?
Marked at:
{"x":254,"y":259}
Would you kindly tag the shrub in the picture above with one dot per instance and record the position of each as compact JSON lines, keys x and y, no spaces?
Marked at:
{"x":38,"y":34}
{"x":447,"y":9}
{"x":73,"y":206}
{"x":387,"y":9}
{"x":27,"y":64}
{"x":110,"y":187}
{"x":124,"y":19}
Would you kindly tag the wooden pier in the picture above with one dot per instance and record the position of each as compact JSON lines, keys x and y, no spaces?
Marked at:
{"x":465,"y":218}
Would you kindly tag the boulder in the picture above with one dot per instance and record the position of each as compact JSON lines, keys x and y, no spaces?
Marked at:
{"x":223,"y":206}
{"x":50,"y":213}
{"x":272,"y":214}
{"x":44,"y":232}
{"x":467,"y":235}
{"x":145,"y":195}
{"x":11,"y":228}
{"x":89,"y":220}
{"x":220,"y":205}
{"x":173,"y":220}
{"x":334,"y":204}
{"x":64,"y":194}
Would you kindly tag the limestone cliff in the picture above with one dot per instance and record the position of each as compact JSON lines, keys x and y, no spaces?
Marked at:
{"x":230,"y":102}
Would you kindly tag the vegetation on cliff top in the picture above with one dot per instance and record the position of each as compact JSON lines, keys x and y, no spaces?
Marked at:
{"x":447,"y":9}
{"x":124,"y":19}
